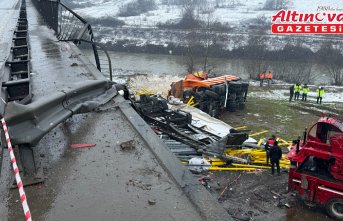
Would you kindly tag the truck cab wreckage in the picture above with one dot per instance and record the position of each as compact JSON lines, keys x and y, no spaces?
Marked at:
{"x":317,"y":166}
{"x":211,"y":95}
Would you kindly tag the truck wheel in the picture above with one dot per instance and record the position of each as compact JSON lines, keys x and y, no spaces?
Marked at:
{"x":335,"y":208}
{"x":163,"y":104}
{"x":212,"y":94}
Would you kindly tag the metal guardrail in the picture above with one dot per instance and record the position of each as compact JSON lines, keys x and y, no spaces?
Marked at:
{"x":17,"y":85}
{"x":46,"y":113}
{"x":69,"y":26}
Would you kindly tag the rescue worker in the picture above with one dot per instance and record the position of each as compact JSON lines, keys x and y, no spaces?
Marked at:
{"x":268,"y":145}
{"x":320,"y":94}
{"x":297,"y":89}
{"x":305,"y":91}
{"x":291,"y":93}
{"x":275,"y":154}
{"x":269,"y":78}
{"x":262,"y":76}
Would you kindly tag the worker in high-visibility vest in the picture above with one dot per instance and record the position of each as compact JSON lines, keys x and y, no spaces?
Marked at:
{"x":268,"y":145}
{"x":320,"y":93}
{"x":269,"y":78}
{"x":262,"y":76}
{"x":305,"y":91}
{"x":297,"y":89}
{"x":201,"y":74}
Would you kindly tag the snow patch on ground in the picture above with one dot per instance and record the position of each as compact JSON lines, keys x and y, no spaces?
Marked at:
{"x":154,"y":83}
{"x":234,"y":13}
{"x":281,"y":94}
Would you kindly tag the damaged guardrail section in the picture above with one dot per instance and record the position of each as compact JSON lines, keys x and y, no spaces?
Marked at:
{"x":29,"y":123}
{"x":67,"y":24}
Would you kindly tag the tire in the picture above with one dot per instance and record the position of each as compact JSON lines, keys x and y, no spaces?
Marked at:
{"x":241,"y":106}
{"x":144,"y":98}
{"x":212,"y":94}
{"x":232,"y":97}
{"x":163,"y":104}
{"x":234,"y":86}
{"x":231,"y":107}
{"x":335,"y":208}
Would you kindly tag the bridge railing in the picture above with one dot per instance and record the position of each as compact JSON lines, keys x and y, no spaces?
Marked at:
{"x":69,"y":26}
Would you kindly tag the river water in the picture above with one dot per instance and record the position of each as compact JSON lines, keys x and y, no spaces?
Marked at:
{"x":167,"y":64}
{"x":176,"y":65}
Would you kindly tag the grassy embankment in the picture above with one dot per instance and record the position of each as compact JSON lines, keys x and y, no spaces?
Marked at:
{"x":286,"y":120}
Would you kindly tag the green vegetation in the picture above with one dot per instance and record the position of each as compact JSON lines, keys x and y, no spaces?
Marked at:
{"x":286,"y":120}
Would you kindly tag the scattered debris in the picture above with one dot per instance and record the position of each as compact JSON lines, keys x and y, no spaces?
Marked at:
{"x":73,"y":56}
{"x":127,"y":146}
{"x":198,"y":164}
{"x":151,"y":202}
{"x":82,"y":145}
{"x":204,"y":180}
{"x":74,"y":65}
{"x":139,"y":184}
{"x":275,"y":193}
{"x":229,"y":184}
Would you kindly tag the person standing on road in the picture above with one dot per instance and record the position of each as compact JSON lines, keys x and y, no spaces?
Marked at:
{"x":269,"y":78}
{"x":291,"y":93}
{"x":320,"y":94}
{"x":262,"y":76}
{"x":297,"y":89}
{"x":268,"y":145}
{"x":305,"y":90}
{"x":275,"y":154}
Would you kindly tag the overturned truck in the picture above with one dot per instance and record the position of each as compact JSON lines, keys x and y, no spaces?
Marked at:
{"x":211,"y":95}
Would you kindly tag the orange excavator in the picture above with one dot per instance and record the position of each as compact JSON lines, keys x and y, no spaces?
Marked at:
{"x":211,"y":95}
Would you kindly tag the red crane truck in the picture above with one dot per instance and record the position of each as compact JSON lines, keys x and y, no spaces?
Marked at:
{"x":316,"y":171}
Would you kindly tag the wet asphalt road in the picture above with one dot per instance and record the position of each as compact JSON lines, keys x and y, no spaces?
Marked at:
{"x":9,"y":13}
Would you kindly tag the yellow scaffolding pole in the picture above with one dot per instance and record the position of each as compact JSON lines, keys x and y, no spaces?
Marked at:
{"x":258,"y":133}
{"x":250,"y":166}
{"x":190,"y":101}
{"x":231,"y":169}
{"x":240,"y":128}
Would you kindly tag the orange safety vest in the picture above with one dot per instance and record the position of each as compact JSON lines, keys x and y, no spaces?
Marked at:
{"x":269,"y":75}
{"x":262,"y":76}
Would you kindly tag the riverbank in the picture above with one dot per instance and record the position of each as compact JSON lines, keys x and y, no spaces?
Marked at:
{"x":158,"y":64}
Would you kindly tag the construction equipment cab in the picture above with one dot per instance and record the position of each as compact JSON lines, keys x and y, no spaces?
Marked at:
{"x":317,"y":166}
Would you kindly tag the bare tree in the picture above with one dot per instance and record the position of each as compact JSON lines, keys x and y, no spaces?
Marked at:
{"x":256,"y":52}
{"x":201,"y":36}
{"x":190,"y":22}
{"x":330,"y":56}
{"x":209,"y":38}
{"x":298,"y":72}
{"x":276,"y":4}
